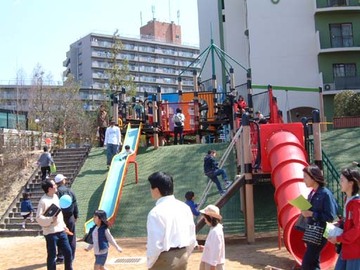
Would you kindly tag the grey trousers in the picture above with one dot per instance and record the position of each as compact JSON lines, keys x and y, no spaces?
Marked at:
{"x":206,"y":266}
{"x":172,"y":260}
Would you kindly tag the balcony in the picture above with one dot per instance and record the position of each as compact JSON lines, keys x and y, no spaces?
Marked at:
{"x":343,"y":83}
{"x":329,"y":4}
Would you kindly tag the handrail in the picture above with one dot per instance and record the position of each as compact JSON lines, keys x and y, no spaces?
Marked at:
{"x":221,"y":164}
{"x":331,"y":175}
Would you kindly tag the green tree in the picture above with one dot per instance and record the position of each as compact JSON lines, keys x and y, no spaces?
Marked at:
{"x":119,"y":75}
{"x":347,"y":103}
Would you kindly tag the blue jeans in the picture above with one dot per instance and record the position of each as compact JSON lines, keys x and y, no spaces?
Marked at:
{"x":214,"y":177}
{"x":111,"y":151}
{"x":221,"y":172}
{"x":311,"y":259}
{"x":60,"y":240}
{"x":70,"y":224}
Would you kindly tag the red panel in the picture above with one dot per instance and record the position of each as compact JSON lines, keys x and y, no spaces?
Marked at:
{"x":268,"y":130}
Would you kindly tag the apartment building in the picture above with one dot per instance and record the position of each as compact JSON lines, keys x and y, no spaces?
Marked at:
{"x":298,"y":47}
{"x":155,"y":59}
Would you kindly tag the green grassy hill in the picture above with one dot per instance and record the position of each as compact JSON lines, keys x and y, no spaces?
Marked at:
{"x":185,"y":163}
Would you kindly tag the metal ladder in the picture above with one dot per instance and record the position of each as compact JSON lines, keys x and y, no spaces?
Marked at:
{"x":221,"y":164}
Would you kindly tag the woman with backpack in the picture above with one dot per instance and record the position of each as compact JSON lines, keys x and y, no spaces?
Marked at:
{"x":178,"y":119}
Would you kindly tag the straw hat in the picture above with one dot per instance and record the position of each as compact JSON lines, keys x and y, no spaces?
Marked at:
{"x":212,"y":211}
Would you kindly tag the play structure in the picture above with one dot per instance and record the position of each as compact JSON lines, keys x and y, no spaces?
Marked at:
{"x":273,"y":150}
{"x":111,"y":195}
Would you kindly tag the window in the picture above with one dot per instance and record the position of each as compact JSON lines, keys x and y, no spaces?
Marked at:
{"x":335,"y":3}
{"x":341,"y":35}
{"x":344,"y":70}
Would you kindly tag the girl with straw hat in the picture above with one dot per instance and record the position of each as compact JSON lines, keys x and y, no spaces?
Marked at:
{"x":214,"y":249}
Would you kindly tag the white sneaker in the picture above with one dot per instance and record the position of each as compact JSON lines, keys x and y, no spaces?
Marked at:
{"x":23,"y":226}
{"x":228,"y":184}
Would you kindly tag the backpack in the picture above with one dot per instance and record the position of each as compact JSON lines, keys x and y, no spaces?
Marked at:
{"x":177,"y":120}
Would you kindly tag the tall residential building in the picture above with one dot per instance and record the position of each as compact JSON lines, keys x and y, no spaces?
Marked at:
{"x":156,"y":59}
{"x":296,"y":46}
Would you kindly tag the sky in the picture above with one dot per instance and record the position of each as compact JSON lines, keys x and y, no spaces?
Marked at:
{"x":39,"y":32}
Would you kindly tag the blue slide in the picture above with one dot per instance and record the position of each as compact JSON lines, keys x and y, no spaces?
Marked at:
{"x":110,"y":198}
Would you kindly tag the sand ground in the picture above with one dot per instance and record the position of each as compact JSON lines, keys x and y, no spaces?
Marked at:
{"x":29,"y":253}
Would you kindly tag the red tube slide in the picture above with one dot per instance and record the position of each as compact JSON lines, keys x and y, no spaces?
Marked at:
{"x":287,"y":158}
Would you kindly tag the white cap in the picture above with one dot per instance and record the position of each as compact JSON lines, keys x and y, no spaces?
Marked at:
{"x":59,"y":178}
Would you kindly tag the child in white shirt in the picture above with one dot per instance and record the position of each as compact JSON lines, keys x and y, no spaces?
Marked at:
{"x":214,"y":250}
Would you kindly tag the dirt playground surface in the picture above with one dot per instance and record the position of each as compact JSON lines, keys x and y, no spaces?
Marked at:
{"x":29,"y":253}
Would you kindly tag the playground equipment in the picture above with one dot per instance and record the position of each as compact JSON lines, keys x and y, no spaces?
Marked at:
{"x":274,"y":149}
{"x":281,"y":153}
{"x":111,"y":195}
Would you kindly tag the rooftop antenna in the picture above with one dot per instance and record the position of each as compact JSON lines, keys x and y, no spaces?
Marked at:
{"x":178,"y":16}
{"x":169,"y":11}
{"x":153,"y":11}
{"x":141,"y":22}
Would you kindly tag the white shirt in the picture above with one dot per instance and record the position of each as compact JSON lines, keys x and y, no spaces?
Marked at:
{"x":95,"y":237}
{"x":214,"y":249}
{"x":47,"y":224}
{"x":181,"y":117}
{"x":112,"y":135}
{"x":170,"y":224}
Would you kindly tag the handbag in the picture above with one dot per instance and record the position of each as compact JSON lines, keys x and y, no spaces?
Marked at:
{"x":301,"y":223}
{"x":53,"y":168}
{"x":313,"y":234}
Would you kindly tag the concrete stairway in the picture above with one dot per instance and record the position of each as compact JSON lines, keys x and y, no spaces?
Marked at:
{"x":68,"y":162}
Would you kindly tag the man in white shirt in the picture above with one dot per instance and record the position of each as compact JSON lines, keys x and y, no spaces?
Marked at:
{"x":170,"y":227}
{"x":112,"y":141}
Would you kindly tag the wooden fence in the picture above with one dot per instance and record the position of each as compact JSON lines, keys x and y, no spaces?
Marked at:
{"x":346,"y":122}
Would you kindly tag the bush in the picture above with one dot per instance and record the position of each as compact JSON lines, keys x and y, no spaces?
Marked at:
{"x":347,"y":103}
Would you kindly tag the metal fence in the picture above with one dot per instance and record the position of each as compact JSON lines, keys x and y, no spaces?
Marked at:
{"x":331,"y":175}
{"x":26,"y":140}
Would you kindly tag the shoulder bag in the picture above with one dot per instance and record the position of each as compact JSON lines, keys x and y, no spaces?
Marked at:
{"x":313,"y":234}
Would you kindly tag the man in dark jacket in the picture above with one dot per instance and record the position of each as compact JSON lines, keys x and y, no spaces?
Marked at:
{"x":212,"y":171}
{"x":70,"y":214}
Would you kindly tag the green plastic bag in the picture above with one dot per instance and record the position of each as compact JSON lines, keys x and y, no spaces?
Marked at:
{"x":53,"y":168}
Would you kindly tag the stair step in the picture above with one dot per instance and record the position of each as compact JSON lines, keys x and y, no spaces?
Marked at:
{"x":17,"y":226}
{"x":19,"y":232}
{"x":68,"y":163}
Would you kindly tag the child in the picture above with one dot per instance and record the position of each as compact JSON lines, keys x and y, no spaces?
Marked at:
{"x":190,"y":196}
{"x":99,"y":239}
{"x":214,"y":250}
{"x":128,"y":152}
{"x":26,"y":209}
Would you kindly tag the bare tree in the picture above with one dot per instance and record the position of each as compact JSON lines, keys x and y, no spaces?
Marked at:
{"x":68,"y":114}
